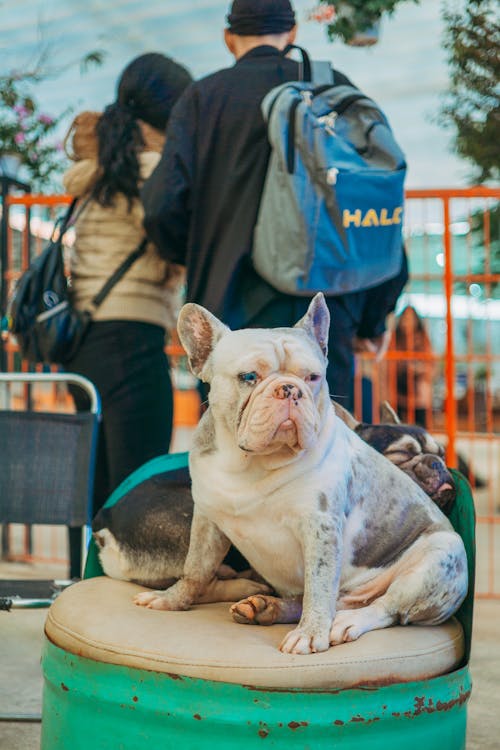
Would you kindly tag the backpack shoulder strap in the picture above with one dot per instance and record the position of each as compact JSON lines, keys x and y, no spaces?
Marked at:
{"x":305,"y":68}
{"x":318,"y":72}
{"x":69,"y":219}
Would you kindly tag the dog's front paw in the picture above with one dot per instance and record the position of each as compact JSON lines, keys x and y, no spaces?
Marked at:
{"x":256,"y":610}
{"x":300,"y":641}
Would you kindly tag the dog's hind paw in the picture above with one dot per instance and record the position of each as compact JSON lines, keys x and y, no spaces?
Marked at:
{"x":344,"y":630}
{"x":350,"y":624}
{"x":267,"y":610}
{"x":256,"y":610}
{"x":299,"y":641}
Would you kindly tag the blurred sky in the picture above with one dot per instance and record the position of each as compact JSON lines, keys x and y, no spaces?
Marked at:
{"x":406,"y":72}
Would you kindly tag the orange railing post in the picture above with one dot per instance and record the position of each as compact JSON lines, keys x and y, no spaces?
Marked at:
{"x":451,"y":406}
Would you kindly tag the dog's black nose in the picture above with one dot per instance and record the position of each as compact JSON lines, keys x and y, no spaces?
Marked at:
{"x":287,"y":390}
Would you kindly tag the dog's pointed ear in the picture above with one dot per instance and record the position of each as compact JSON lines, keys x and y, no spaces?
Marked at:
{"x":316,"y":321}
{"x":388,"y":415}
{"x":345,"y":416}
{"x":199,"y":331}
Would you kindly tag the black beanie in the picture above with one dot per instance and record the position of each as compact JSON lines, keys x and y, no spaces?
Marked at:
{"x":258,"y":17}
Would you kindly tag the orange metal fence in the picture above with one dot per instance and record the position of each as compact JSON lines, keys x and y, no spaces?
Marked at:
{"x":442,"y":368}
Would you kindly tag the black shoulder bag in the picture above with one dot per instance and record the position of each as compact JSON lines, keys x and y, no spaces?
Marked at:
{"x":47,"y":327}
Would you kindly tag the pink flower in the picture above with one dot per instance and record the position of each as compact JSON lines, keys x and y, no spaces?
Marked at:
{"x":20,"y":110}
{"x":322,"y":13}
{"x":19,"y":138}
{"x":45,"y":119}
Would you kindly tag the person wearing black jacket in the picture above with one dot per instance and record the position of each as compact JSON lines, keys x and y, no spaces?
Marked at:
{"x":202,"y":200}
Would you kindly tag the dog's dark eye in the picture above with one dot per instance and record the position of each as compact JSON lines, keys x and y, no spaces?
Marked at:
{"x":313,"y":377}
{"x":250,"y":378}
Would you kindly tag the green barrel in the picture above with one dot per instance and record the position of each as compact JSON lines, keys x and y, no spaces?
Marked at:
{"x":95,"y":706}
{"x":91,"y":705}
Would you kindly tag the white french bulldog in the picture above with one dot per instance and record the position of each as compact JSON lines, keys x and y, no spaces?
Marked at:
{"x":348,"y":540}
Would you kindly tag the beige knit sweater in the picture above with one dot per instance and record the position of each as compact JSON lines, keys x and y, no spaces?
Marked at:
{"x":151,"y":289}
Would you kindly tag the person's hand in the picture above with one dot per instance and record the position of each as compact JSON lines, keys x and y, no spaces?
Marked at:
{"x":377,"y":345}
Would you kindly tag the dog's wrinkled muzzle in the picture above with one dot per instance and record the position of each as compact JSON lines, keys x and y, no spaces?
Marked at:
{"x":280,"y":412}
{"x":433,"y":476}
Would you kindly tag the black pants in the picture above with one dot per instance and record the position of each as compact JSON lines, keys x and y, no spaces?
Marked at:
{"x":126,"y":362}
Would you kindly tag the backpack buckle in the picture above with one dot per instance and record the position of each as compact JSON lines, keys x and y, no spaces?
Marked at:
{"x":328,"y":122}
{"x":331,"y":176}
{"x":307,"y":96}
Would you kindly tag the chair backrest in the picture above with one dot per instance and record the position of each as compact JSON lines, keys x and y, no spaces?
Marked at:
{"x":47,"y":458}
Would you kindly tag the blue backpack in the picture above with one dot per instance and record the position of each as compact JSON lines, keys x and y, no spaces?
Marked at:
{"x":331,"y":213}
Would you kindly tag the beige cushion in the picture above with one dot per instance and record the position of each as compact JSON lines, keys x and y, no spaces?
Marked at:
{"x":97,"y":619}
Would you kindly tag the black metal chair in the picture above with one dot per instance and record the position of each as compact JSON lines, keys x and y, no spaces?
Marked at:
{"x":47,"y":464}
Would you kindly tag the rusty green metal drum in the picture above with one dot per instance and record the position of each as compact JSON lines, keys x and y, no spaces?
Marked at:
{"x":94,"y":705}
{"x":91,"y":705}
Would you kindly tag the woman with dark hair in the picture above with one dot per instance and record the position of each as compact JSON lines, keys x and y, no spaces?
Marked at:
{"x":123,"y":352}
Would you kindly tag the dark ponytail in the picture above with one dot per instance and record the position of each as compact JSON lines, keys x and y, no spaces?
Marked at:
{"x":147,"y":90}
{"x":119,"y":141}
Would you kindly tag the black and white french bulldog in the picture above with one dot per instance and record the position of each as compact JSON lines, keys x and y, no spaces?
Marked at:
{"x":318,"y":513}
{"x":411,"y":448}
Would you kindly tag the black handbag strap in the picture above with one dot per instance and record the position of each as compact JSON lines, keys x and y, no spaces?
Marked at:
{"x":64,"y":225}
{"x":119,"y":273}
{"x":81,"y":208}
{"x":65,"y":221}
